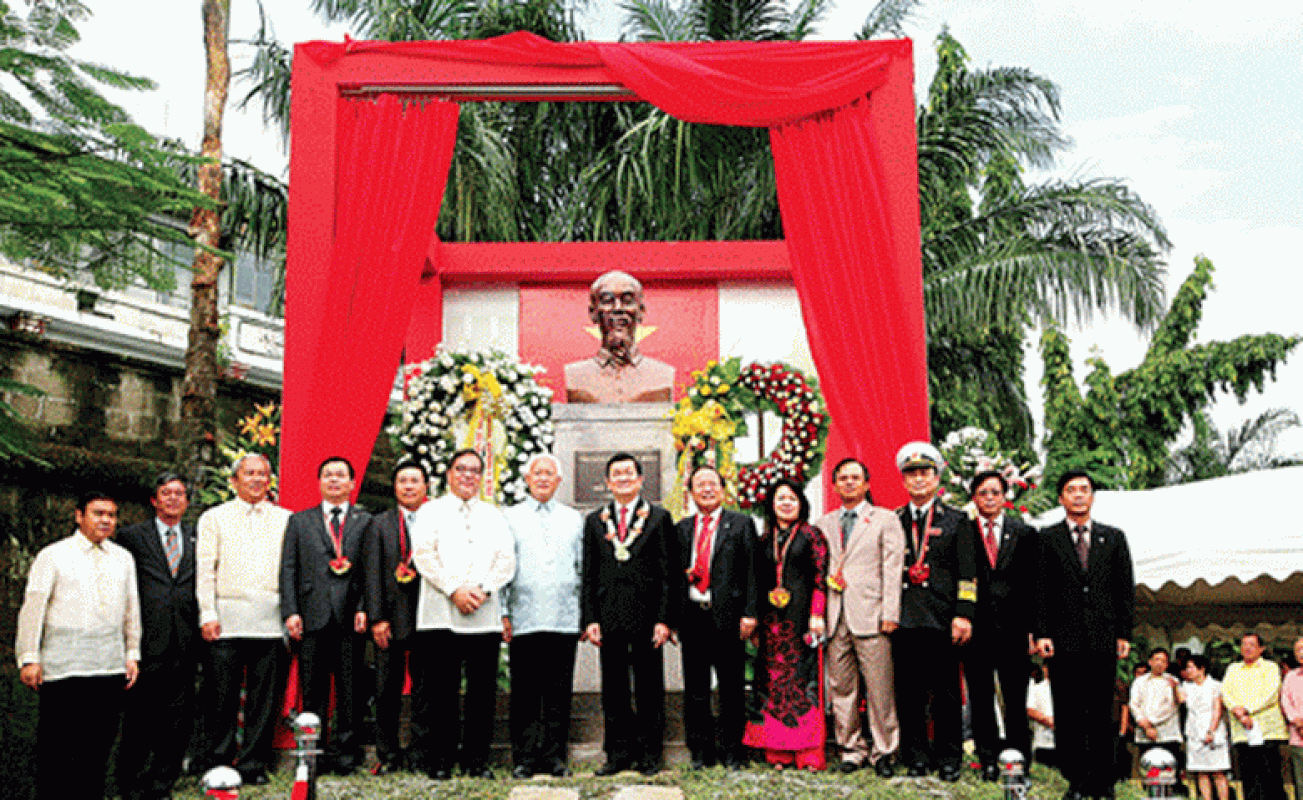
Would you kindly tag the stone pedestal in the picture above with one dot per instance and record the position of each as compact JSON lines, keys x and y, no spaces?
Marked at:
{"x":587,"y":434}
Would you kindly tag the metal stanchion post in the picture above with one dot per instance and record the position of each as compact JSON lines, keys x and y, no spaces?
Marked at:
{"x":1159,"y":770}
{"x":307,"y":732}
{"x":1013,"y":775}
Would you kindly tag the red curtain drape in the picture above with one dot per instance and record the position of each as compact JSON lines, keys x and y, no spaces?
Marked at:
{"x":348,"y":322}
{"x":863,"y":317}
{"x":851,"y":222}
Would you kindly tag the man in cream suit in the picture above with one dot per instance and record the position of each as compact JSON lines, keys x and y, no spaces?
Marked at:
{"x":464,"y":551}
{"x":866,"y":551}
{"x":237,"y":584}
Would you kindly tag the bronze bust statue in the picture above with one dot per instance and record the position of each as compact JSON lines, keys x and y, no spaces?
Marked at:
{"x":618,"y":372}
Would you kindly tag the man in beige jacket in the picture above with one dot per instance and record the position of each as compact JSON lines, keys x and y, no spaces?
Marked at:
{"x":237,"y":583}
{"x":866,"y":554}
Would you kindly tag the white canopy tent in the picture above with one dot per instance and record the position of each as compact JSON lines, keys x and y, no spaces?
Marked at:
{"x":1215,"y":558}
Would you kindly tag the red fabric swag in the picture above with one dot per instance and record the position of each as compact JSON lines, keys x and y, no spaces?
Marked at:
{"x":349,"y":317}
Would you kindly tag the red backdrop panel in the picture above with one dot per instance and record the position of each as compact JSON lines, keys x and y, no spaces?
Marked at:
{"x":684,"y":316}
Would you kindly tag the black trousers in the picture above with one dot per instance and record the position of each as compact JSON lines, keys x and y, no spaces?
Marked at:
{"x":706,"y":646}
{"x":1260,"y":771}
{"x":1001,"y":659}
{"x":542,"y":675}
{"x":927,"y":685}
{"x":78,"y":722}
{"x":392,"y":666}
{"x":1085,"y":735}
{"x":335,"y":651}
{"x":156,"y":727}
{"x":633,"y":734}
{"x":444,"y":657}
{"x":260,"y":666}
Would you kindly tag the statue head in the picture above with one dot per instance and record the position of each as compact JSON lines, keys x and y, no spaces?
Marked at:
{"x":615,"y":304}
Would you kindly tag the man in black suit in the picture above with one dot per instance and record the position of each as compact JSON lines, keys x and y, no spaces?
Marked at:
{"x":1086,"y":594}
{"x":157,"y":724}
{"x":937,"y":603}
{"x":626,"y":608}
{"x":717,"y":554}
{"x":1002,"y":643}
{"x":392,"y":590}
{"x":322,"y":603}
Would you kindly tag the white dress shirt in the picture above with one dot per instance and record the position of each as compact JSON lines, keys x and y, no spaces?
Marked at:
{"x":459,"y":543}
{"x":81,"y":611}
{"x":1153,"y":699}
{"x":237,"y":568}
{"x":544,"y":594}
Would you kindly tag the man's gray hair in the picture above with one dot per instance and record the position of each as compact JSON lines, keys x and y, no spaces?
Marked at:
{"x":235,"y":465}
{"x":615,"y":273}
{"x":537,"y":457}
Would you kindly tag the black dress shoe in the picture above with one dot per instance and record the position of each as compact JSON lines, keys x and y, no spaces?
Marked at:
{"x":733,"y":764}
{"x":649,"y":768}
{"x":847,"y":767}
{"x":990,"y":772}
{"x":560,"y":770}
{"x":949,"y":773}
{"x":522,"y":772}
{"x":917,"y":770}
{"x":612,"y":768}
{"x":884,"y":767}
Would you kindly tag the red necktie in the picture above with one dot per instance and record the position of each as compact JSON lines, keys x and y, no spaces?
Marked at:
{"x":624,"y":522}
{"x":988,"y":538}
{"x":701,"y":569}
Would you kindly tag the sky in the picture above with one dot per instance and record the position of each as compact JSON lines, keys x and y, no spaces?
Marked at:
{"x":1193,"y":103}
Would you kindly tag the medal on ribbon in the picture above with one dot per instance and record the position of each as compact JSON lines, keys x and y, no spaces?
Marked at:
{"x":340,"y":565}
{"x":837,"y":582}
{"x":918,"y":573}
{"x":404,"y":574}
{"x":622,"y":552}
{"x":779,"y":597}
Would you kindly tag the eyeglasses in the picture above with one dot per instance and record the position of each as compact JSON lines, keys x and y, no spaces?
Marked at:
{"x":462,"y":470}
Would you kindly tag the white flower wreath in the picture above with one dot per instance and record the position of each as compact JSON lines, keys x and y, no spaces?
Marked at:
{"x":489,"y":401}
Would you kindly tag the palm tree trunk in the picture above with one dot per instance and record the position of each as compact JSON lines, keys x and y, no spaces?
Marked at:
{"x":199,"y":390}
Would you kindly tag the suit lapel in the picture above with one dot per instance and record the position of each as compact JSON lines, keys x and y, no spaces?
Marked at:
{"x":187,"y":566}
{"x":154,"y":542}
{"x":317,"y":519}
{"x":1008,"y":540}
{"x":722,"y":530}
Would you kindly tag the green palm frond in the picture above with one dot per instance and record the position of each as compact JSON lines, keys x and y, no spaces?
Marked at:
{"x":887,"y":18}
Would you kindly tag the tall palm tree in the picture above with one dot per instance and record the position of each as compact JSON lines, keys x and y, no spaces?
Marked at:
{"x":1252,"y":445}
{"x":1001,"y":254}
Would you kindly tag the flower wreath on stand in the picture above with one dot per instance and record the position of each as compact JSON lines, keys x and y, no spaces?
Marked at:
{"x":489,"y":402}
{"x":713,"y":414}
{"x":971,"y":450}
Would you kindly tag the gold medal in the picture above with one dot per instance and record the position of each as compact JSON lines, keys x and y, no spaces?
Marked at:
{"x":779,"y":597}
{"x":340,"y":565}
{"x":836,"y":582}
{"x":404,"y":574}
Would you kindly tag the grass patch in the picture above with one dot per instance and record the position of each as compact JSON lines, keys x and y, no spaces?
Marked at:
{"x":757,"y":782}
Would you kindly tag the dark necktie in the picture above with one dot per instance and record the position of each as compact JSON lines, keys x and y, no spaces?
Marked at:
{"x":848,"y":524}
{"x":335,"y":528}
{"x":1083,"y":545}
{"x":173,"y":550}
